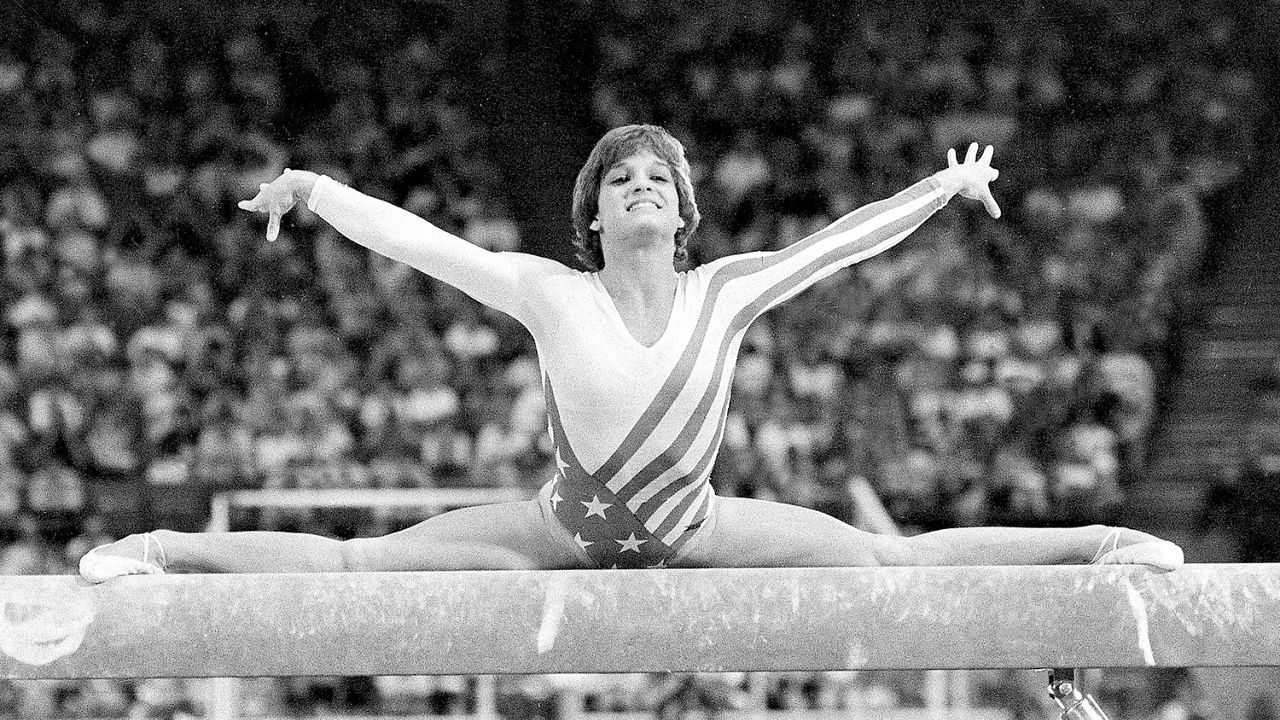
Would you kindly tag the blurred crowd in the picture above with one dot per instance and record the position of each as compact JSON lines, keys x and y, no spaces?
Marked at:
{"x":151,"y":336}
{"x":1245,"y":500}
{"x":983,"y":372}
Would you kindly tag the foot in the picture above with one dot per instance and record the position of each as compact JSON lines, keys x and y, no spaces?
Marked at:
{"x":133,"y":555}
{"x":1123,"y":546}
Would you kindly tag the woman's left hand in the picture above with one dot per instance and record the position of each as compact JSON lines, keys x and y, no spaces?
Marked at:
{"x":972,"y":177}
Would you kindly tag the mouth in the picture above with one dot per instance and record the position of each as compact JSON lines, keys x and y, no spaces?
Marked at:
{"x":642,"y":204}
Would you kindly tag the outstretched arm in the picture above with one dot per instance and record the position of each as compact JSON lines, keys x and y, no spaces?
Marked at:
{"x":865,"y":232}
{"x":492,"y":278}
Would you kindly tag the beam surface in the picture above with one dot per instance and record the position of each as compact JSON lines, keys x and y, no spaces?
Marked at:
{"x":642,"y":620}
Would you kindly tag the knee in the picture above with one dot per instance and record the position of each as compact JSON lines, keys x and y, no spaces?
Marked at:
{"x":500,"y":558}
{"x":352,"y":555}
{"x":378,"y":554}
{"x":860,"y":550}
{"x":897,"y":551}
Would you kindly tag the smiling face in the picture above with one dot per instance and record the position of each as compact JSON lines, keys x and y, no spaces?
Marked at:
{"x":638,"y":199}
{"x":614,"y":153}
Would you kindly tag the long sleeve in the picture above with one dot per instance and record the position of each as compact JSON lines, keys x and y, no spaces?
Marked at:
{"x":763,"y":280}
{"x":495,"y":279}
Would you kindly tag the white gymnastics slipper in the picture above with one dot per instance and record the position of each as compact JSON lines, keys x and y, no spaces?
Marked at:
{"x":97,"y":566}
{"x":1160,"y":554}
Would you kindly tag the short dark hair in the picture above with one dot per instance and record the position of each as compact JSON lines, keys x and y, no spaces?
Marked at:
{"x":617,"y":145}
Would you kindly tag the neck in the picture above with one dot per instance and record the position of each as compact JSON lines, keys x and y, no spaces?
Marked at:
{"x":639,"y":270}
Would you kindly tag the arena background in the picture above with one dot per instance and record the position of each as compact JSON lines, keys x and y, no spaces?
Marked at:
{"x":1108,"y":351}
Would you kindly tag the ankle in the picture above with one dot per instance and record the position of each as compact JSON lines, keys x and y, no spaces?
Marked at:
{"x":1107,"y":539}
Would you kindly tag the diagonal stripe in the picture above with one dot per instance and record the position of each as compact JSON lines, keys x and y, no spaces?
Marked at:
{"x":558,"y":437}
{"x":673,"y":495}
{"x":685,"y":439}
{"x":898,"y":222}
{"x":733,"y":270}
{"x":667,"y":520}
{"x":852,"y":220}
{"x":703,"y":512}
{"x":649,"y":510}
{"x":646,"y":505}
{"x":686,"y":514}
{"x":679,"y":374}
{"x":739,"y":323}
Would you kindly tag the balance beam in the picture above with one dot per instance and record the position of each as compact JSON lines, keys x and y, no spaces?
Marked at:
{"x":641,"y":620}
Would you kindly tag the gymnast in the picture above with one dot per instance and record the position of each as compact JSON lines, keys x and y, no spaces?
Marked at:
{"x":637,"y":361}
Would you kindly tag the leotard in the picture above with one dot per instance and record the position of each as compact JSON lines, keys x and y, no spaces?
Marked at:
{"x":635,"y":429}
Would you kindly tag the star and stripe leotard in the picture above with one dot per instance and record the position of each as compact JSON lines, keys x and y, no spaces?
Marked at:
{"x":636,"y":429}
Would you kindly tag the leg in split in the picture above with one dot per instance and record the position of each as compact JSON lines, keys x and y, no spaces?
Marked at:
{"x":502,"y":536}
{"x":759,"y":533}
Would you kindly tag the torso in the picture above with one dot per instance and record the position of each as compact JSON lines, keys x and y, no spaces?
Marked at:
{"x":644,"y":323}
{"x":637,"y":397}
{"x":636,"y":406}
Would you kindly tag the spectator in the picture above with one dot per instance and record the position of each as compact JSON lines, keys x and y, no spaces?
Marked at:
{"x":1126,"y":376}
{"x":13,"y":490}
{"x":1019,"y":488}
{"x":113,"y":435}
{"x":92,"y":534}
{"x":1085,"y":474}
{"x":28,"y":553}
{"x":224,"y":447}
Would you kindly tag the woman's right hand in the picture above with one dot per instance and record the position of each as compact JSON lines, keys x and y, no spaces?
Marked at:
{"x":140,"y":554}
{"x":279,"y":197}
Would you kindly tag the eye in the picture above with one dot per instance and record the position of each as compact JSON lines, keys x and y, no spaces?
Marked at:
{"x":618,"y":180}
{"x":660,"y":178}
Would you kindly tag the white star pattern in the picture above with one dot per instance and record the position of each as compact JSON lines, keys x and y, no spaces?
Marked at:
{"x":595,"y":507}
{"x":577,"y":537}
{"x":631,"y":544}
{"x":555,"y":498}
{"x":560,"y":463}
{"x":658,"y":565}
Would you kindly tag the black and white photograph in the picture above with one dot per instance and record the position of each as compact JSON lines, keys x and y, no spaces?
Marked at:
{"x":632,"y":359}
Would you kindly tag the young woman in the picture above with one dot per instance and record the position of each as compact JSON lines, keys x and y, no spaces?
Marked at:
{"x":637,"y":361}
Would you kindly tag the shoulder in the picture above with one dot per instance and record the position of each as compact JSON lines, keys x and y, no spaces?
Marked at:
{"x":732,"y":264}
{"x":535,"y":267}
{"x":543,"y":280}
